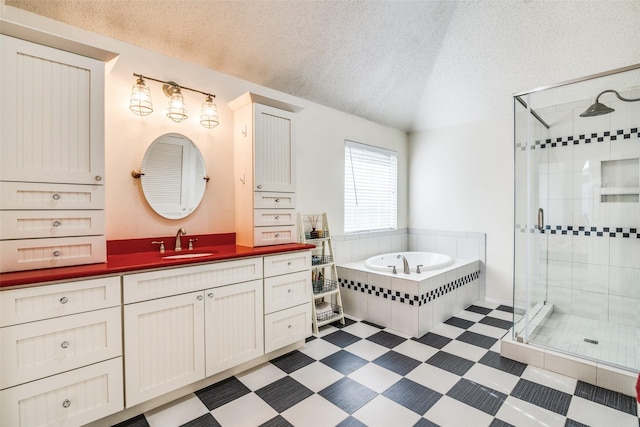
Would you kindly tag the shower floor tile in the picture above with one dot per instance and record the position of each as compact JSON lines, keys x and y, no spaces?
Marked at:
{"x":613,"y":343}
{"x":443,"y":378}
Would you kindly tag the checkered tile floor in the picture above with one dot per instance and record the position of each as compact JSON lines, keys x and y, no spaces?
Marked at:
{"x":360,"y":374}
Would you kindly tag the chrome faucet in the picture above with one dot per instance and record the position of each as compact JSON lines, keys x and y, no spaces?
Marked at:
{"x":181,"y":232}
{"x":406,"y":264}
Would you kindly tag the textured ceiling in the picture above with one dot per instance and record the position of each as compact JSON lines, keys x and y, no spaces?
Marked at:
{"x":368,"y":58}
{"x":412,"y":65}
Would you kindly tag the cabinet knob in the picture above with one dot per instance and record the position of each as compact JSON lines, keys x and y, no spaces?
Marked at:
{"x":98,"y":178}
{"x":55,"y":196}
{"x":65,"y":344}
{"x":289,"y":290}
{"x":56,"y":223}
{"x":277,"y":217}
{"x":289,"y":263}
{"x":277,"y":200}
{"x":259,"y":187}
{"x":199,"y":297}
{"x":57,"y":253}
{"x":210,"y":294}
{"x":277,"y":235}
{"x":66,"y":403}
{"x":64,"y":300}
{"x":289,"y":326}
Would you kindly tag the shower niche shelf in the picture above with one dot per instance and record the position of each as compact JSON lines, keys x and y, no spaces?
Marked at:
{"x":620,"y":181}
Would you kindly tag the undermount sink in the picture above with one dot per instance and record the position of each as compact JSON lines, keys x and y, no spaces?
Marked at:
{"x":186,"y":256}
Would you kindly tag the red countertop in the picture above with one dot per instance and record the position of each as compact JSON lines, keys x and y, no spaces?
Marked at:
{"x":133,"y":255}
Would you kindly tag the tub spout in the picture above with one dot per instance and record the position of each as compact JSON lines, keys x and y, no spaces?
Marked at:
{"x":406,"y":263}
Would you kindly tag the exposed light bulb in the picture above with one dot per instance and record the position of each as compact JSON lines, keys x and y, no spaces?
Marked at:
{"x":209,"y":113}
{"x":177,"y":110}
{"x":140,"y":102}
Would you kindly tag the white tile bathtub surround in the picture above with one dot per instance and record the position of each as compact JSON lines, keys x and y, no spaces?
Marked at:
{"x":625,"y":252}
{"x":359,"y":246}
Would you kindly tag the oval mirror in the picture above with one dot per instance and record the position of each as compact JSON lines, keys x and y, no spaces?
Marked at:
{"x":173,"y":176}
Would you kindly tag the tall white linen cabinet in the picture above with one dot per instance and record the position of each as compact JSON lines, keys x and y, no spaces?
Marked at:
{"x":264,"y":168}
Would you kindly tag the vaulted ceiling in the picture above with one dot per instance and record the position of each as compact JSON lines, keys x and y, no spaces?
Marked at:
{"x":406,"y":64}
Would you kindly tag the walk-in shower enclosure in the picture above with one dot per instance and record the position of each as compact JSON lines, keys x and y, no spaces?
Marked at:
{"x":577,"y":218}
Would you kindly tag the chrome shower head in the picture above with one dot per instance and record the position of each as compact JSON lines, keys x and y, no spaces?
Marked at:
{"x":598,"y":109}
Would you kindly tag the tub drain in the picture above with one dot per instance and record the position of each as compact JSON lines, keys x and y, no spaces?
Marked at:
{"x":590,"y":341}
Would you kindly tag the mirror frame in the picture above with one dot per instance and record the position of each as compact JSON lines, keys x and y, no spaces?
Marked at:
{"x":173,"y":176}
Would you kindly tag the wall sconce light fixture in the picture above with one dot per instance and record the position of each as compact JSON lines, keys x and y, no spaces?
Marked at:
{"x":141,"y":105}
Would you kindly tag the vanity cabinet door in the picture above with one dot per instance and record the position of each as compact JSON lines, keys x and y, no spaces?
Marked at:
{"x":52,"y":115}
{"x":163,"y":345}
{"x":233,"y":325}
{"x":273,"y":149}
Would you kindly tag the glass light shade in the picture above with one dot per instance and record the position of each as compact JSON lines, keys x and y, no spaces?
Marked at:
{"x":209,"y":113}
{"x":140,"y":102}
{"x":177,"y":110}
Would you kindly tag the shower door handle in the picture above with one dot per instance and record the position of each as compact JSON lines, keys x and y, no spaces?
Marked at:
{"x":540,"y":218}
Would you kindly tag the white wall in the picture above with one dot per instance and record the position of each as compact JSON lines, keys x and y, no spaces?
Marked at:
{"x":461,"y":178}
{"x":321,"y":132}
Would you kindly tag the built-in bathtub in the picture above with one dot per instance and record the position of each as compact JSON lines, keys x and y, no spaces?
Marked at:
{"x":411,"y":303}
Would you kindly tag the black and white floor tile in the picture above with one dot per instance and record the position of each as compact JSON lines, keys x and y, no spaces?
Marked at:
{"x":360,"y":374}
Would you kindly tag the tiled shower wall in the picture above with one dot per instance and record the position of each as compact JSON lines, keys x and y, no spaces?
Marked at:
{"x":589,"y":249}
{"x":468,"y":245}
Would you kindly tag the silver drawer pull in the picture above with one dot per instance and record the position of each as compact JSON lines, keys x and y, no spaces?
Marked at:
{"x":57,"y":253}
{"x":277,"y":217}
{"x":56,"y":223}
{"x":210,"y":294}
{"x":65,"y":344}
{"x":199,"y":297}
{"x":259,"y":186}
{"x":289,"y":263}
{"x":64,"y":300}
{"x":289,"y":290}
{"x":66,"y":403}
{"x":277,"y":200}
{"x":56,"y":196}
{"x":277,"y":234}
{"x":289,"y":326}
{"x":98,"y":178}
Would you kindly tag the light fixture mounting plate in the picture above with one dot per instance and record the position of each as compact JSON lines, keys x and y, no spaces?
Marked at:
{"x":169,"y":88}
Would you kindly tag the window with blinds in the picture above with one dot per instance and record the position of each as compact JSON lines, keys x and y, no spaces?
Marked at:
{"x":370,"y":188}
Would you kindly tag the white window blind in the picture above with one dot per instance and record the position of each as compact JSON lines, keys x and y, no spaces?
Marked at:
{"x":370,"y":188}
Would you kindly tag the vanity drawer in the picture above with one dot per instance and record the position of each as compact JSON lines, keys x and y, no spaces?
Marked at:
{"x":286,"y":327}
{"x":286,"y":291}
{"x":265,"y":236}
{"x":271,"y":200}
{"x":291,"y":262}
{"x":274,"y":217}
{"x":43,"y":302}
{"x":29,"y":254}
{"x":164,"y":283}
{"x":73,"y":398}
{"x":35,"y":195}
{"x":50,"y":223}
{"x":47,"y":347}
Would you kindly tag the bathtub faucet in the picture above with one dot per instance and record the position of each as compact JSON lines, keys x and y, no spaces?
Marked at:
{"x":406,"y":264}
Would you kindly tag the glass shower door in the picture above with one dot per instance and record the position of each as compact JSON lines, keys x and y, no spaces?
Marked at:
{"x":531,"y":206}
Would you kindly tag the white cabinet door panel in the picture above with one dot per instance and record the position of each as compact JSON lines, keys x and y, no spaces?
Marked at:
{"x":163,"y":346}
{"x":274,"y":217}
{"x":273,"y":149}
{"x":272,"y":200}
{"x":32,"y":195}
{"x":234,"y":325}
{"x":52,"y":115}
